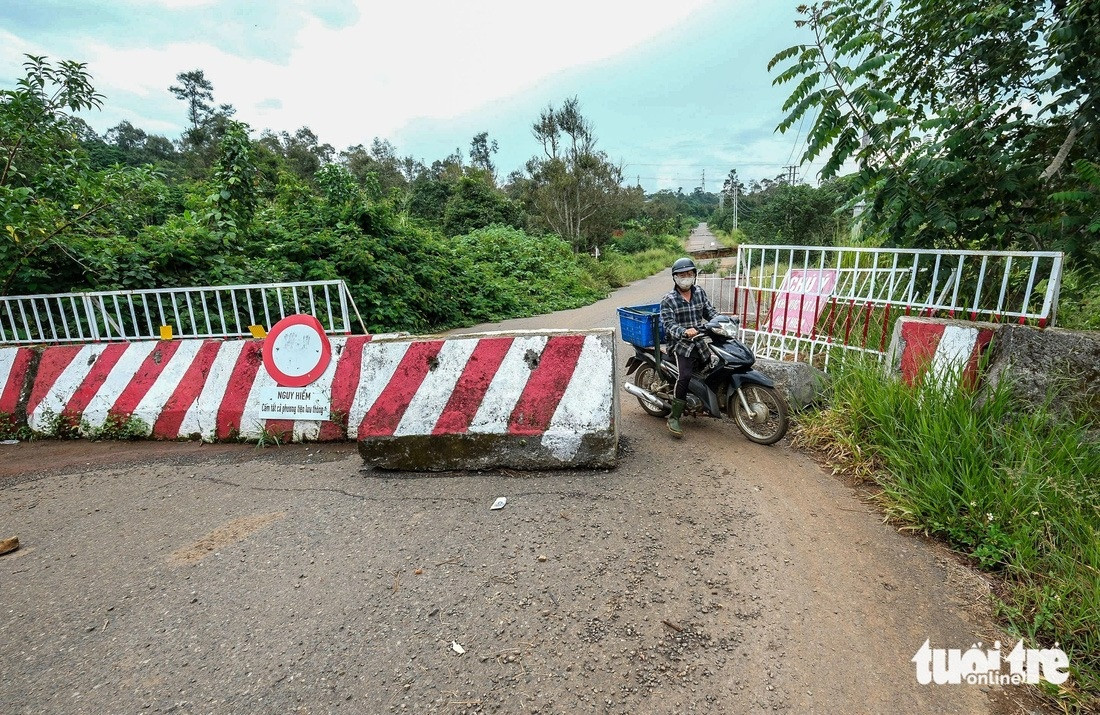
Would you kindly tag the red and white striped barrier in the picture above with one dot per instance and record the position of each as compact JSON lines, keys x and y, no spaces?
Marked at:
{"x":524,"y":399}
{"x":205,"y":389}
{"x":945,"y":350}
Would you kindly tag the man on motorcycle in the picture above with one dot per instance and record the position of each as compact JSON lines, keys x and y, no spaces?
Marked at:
{"x":683,"y":310}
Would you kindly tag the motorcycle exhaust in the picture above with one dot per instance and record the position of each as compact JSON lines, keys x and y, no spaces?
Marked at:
{"x":646,"y":395}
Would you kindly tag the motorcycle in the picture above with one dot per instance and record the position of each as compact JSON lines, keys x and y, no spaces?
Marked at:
{"x":725,"y":385}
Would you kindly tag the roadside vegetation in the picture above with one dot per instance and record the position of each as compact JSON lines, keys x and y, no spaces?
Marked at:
{"x":1011,"y":487}
{"x":422,"y":246}
{"x":976,"y":126}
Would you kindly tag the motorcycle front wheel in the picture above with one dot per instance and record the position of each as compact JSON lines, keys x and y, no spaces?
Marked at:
{"x":766,"y":420}
{"x":648,"y":379}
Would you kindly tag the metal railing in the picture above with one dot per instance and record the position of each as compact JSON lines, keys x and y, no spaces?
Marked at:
{"x":195,"y":312}
{"x":802,"y":302}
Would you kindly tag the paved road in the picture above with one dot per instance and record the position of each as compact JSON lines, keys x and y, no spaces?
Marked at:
{"x":709,"y":575}
{"x":701,"y":239}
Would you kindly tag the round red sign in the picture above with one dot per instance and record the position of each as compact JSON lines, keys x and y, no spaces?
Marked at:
{"x":296,"y":351}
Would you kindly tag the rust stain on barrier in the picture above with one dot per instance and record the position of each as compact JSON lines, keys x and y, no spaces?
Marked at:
{"x":228,"y":533}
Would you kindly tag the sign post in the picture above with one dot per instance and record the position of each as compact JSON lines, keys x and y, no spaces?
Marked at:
{"x":296,"y":352}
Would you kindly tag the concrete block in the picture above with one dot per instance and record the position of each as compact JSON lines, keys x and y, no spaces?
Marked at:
{"x":802,"y":384}
{"x":526,"y":400}
{"x":1060,"y":365}
{"x":942,"y":350}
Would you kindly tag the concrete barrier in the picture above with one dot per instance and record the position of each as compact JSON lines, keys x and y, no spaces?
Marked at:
{"x":802,"y":384}
{"x":940,"y":350}
{"x":188,"y":389}
{"x":528,"y":400}
{"x":1055,"y":365}
{"x":525,"y":400}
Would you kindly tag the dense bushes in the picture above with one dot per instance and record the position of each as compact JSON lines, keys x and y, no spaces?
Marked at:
{"x":421,"y":248}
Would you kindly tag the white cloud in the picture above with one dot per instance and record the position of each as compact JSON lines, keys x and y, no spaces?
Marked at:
{"x":431,"y":58}
{"x":12,"y":49}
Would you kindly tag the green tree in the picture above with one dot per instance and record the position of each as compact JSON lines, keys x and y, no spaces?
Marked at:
{"x":197,"y":92}
{"x":302,"y":150}
{"x":209,"y":122}
{"x":382,"y":161}
{"x":53,"y":206}
{"x":232,"y":205}
{"x":574,"y":190}
{"x":958,"y":115}
{"x":481,"y":155}
{"x":795,"y":214}
{"x":473,"y":204}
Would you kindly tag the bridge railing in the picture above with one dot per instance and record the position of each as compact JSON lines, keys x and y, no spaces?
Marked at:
{"x":808,"y":302}
{"x":192,"y":312}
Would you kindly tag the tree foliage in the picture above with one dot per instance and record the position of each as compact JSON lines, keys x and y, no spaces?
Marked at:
{"x":52,"y":204}
{"x":778,"y":212}
{"x":421,"y":247}
{"x":958,"y":116}
{"x":573,"y":190}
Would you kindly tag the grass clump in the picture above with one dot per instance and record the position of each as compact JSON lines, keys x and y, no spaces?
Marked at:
{"x":1012,"y":486}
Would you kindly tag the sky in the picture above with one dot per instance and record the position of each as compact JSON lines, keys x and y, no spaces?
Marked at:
{"x":678,"y":92}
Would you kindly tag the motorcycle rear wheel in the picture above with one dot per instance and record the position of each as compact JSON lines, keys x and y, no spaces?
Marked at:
{"x":648,"y":379}
{"x":767,"y":423}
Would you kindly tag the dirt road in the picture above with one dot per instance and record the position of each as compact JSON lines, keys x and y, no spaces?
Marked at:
{"x":709,"y":575}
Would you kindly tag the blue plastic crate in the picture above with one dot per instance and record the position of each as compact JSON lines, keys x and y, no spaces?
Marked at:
{"x":636,"y":324}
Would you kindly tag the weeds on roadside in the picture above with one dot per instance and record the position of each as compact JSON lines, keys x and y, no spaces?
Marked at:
{"x":11,"y":428}
{"x":1012,"y":486}
{"x":124,"y":427}
{"x":270,"y":438}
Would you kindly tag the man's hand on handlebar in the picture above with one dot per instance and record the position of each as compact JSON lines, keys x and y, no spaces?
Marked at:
{"x":691,"y":332}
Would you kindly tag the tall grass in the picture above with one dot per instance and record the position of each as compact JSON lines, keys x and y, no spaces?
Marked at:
{"x":1009,"y":485}
{"x":615,"y":269}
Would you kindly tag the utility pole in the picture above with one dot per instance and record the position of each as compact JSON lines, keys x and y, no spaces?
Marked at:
{"x":734,"y":195}
{"x":792,"y":173}
{"x":704,"y":181}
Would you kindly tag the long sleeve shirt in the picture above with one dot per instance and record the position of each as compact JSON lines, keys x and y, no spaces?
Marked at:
{"x":678,"y":315}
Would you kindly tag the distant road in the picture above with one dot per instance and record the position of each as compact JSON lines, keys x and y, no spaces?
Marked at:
{"x":701,"y":239}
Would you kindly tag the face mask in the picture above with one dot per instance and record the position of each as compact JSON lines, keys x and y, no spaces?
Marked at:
{"x":684,"y":282}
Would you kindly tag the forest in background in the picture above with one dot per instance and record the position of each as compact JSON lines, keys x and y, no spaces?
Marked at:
{"x":429,"y":245}
{"x":422,"y":246}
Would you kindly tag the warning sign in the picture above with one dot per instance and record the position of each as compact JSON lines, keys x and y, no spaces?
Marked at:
{"x":801,"y":298}
{"x":293,"y":403}
{"x":296,"y":351}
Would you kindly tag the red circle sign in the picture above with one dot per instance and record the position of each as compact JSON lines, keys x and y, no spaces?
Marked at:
{"x":296,"y":351}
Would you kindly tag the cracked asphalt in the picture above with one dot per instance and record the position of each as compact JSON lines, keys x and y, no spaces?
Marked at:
{"x":710,"y":575}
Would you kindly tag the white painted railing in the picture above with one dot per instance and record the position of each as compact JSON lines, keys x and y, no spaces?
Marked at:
{"x":194,"y":312}
{"x":801,"y":302}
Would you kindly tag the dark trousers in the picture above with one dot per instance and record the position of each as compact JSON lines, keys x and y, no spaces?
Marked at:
{"x":684,"y":365}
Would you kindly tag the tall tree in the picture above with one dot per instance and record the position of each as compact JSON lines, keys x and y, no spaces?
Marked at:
{"x":197,"y":93}
{"x":575,"y":190}
{"x":481,"y":155}
{"x":958,"y":114}
{"x":209,"y":122}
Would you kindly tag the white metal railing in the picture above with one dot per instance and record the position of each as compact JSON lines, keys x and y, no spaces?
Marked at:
{"x":801,"y":301}
{"x":193,"y":312}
